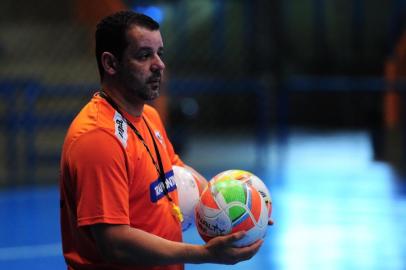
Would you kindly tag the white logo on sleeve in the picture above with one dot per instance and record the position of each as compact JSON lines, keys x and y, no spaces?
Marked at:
{"x":121,"y":128}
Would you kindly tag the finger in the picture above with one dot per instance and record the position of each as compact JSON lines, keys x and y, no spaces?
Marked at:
{"x":252,"y":249}
{"x":257,"y":244}
{"x":235,"y":236}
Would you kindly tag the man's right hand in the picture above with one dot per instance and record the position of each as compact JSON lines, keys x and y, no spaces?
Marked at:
{"x":221,"y":249}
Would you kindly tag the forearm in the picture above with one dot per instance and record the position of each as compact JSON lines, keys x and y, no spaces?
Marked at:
{"x":153,"y":250}
{"x":129,"y":246}
{"x":143,"y":248}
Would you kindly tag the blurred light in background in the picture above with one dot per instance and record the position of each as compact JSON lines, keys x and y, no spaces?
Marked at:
{"x":154,"y":12}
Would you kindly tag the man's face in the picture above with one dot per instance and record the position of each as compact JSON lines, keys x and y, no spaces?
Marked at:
{"x":141,"y":67}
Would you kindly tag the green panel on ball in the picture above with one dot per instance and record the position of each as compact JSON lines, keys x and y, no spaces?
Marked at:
{"x":235,"y":212}
{"x":232,"y":191}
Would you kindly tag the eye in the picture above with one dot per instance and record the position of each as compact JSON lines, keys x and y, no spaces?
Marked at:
{"x":143,"y":56}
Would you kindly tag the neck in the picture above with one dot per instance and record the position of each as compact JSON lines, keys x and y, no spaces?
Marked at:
{"x":132,"y":107}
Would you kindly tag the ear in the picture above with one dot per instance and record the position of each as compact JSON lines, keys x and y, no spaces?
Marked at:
{"x":109,"y":62}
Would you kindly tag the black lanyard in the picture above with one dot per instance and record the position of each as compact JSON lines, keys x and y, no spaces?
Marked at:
{"x":159,"y":167}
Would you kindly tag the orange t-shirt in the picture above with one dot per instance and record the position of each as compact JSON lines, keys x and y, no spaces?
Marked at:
{"x":107,"y":176}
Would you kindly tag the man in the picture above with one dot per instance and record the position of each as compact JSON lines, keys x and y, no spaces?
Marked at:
{"x":118,"y":209}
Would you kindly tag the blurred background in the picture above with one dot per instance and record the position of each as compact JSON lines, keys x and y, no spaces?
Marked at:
{"x":307,"y":94}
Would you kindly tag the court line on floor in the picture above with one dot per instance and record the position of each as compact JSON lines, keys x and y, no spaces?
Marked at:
{"x":30,"y":251}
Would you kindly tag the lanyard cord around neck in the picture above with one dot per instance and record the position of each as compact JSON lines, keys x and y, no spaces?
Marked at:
{"x":159,"y":167}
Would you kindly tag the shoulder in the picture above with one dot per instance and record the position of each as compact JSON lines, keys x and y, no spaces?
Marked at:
{"x":96,"y":124}
{"x":97,"y":146}
{"x":94,"y":114}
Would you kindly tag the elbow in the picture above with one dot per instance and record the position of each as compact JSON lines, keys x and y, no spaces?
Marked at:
{"x":112,"y":244}
{"x":113,"y":254}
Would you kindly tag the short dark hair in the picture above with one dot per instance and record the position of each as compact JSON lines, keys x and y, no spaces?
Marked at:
{"x":111,"y":33}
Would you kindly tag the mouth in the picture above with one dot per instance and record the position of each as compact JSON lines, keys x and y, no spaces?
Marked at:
{"x":155,"y":84}
{"x":154,"y":80}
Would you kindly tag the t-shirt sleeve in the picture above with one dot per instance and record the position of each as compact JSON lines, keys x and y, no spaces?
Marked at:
{"x":98,"y":163}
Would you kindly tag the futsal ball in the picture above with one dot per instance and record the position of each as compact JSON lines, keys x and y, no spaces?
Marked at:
{"x":251,"y":179}
{"x":189,"y":190}
{"x":228,"y":205}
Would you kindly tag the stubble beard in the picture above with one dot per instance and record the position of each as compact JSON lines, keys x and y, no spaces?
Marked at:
{"x":152,"y":87}
{"x":142,"y":91}
{"x":148,"y":92}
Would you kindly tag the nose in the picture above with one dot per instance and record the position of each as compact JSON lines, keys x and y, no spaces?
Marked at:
{"x":157,"y":64}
